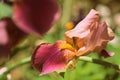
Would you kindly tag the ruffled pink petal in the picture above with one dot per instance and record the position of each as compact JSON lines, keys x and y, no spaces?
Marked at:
{"x":35,"y":16}
{"x":83,"y":28}
{"x":99,"y":37}
{"x":89,"y":35}
{"x":49,"y":57}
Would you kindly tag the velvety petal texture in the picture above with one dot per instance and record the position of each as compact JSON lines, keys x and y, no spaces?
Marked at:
{"x":10,"y":35}
{"x":35,"y":16}
{"x":90,"y":35}
{"x":51,"y":57}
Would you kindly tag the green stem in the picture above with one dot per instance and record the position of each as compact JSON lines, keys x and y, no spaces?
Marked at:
{"x":56,"y":76}
{"x":83,"y":58}
{"x":10,"y":68}
{"x":66,"y":12}
{"x":100,"y":62}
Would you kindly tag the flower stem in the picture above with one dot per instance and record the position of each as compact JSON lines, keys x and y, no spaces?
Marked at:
{"x":56,"y":76}
{"x":66,"y":15}
{"x":17,"y":64}
{"x":83,"y":58}
{"x":100,"y":62}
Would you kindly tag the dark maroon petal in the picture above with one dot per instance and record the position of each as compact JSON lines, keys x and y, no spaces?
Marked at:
{"x":4,"y":51}
{"x":106,"y":54}
{"x":9,"y":2}
{"x":35,"y":16}
{"x":40,"y":55}
{"x":10,"y":36}
{"x":49,"y":57}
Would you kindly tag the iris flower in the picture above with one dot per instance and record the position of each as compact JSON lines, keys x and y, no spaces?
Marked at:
{"x":89,"y":35}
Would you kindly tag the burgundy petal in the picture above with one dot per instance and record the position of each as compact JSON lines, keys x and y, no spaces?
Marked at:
{"x":10,"y":35}
{"x":49,"y":57}
{"x":35,"y":16}
{"x":55,"y":62}
{"x":9,"y":2}
{"x":106,"y":54}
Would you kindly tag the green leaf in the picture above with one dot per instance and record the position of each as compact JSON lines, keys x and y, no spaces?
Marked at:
{"x":5,"y":10}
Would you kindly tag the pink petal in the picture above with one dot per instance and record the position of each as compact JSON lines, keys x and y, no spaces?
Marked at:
{"x":49,"y":57}
{"x":89,"y":35}
{"x":3,"y":33}
{"x":82,"y":28}
{"x":37,"y":16}
{"x":100,"y":36}
{"x":10,"y":36}
{"x":97,"y":38}
{"x":55,"y":62}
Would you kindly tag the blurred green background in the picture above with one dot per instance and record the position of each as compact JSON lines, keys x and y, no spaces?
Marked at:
{"x":72,"y":10}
